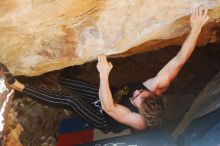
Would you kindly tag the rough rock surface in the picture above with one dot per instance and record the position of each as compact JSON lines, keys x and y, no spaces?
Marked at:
{"x":14,"y":130}
{"x":38,"y":36}
{"x":10,"y":127}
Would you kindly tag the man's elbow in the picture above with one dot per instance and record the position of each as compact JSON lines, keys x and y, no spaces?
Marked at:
{"x":141,"y":127}
{"x":108,"y":108}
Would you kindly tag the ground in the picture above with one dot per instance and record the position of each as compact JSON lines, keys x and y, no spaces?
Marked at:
{"x":41,"y":122}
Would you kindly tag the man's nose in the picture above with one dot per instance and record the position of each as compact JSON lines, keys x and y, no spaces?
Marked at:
{"x":136,"y":92}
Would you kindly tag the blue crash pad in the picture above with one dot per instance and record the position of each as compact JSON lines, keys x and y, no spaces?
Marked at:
{"x":73,"y":125}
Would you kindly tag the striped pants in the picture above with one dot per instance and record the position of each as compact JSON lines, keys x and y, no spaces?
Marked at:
{"x":88,"y":106}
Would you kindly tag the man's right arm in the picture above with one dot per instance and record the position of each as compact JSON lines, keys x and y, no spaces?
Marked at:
{"x":118,"y":112}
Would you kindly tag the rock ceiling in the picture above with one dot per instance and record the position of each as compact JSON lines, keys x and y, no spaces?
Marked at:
{"x":39,"y":36}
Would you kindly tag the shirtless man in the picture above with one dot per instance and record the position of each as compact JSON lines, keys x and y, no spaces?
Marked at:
{"x":136,"y":105}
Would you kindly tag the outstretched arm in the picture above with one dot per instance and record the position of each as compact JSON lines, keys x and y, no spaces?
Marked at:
{"x":116,"y":111}
{"x":163,"y":79}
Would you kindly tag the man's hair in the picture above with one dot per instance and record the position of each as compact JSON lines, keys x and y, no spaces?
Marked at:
{"x":152,"y":109}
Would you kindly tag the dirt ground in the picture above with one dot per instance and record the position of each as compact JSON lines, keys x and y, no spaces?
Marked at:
{"x":41,"y":122}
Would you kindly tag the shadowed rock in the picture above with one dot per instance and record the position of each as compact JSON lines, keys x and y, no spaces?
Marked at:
{"x":207,"y":102}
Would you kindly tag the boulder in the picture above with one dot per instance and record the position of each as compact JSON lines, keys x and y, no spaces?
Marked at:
{"x":39,"y":36}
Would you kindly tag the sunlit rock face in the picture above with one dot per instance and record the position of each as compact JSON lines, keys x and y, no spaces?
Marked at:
{"x":38,"y":36}
{"x":10,"y":129}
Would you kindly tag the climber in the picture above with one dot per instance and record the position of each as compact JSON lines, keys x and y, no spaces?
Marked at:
{"x":136,"y":105}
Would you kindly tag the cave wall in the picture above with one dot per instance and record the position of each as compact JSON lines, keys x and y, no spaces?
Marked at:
{"x":39,"y":36}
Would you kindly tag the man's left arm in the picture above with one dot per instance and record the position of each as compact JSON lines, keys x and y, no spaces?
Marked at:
{"x":164,"y":77}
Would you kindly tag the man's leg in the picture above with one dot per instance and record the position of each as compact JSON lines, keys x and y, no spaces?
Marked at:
{"x":91,"y":113}
{"x":88,"y":91}
{"x":42,"y":96}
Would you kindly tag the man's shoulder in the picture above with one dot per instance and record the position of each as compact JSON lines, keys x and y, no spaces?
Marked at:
{"x":151,"y":84}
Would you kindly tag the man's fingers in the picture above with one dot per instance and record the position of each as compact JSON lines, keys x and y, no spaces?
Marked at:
{"x":102,"y":58}
{"x":205,"y":14}
{"x":197,"y":11}
{"x":98,"y":57}
{"x":193,"y":15}
{"x":200,"y":11}
{"x":105,"y":58}
{"x":207,"y":18}
{"x":110,"y":64}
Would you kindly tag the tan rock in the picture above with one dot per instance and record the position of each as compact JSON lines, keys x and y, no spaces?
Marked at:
{"x":14,"y":131}
{"x":38,"y":36}
{"x":10,"y":128}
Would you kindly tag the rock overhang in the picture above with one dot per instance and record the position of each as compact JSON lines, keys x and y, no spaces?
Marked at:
{"x":41,"y":36}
